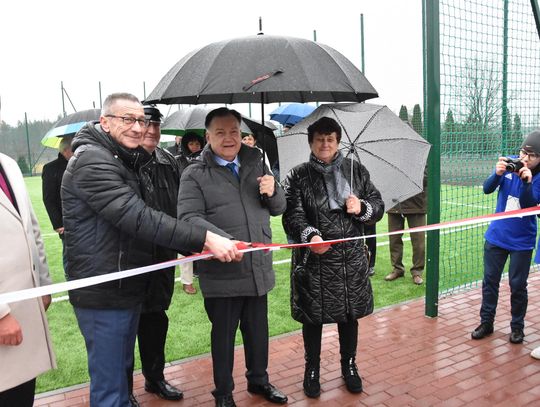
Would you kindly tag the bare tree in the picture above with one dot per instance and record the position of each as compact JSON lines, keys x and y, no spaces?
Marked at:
{"x":481,"y":94}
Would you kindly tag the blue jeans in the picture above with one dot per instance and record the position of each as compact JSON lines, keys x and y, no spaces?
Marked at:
{"x":518,"y":272}
{"x":109,"y":335}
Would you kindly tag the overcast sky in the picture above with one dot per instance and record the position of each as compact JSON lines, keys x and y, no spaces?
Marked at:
{"x":125,"y":43}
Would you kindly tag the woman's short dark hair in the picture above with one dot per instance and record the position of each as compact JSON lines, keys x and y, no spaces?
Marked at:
{"x":221,"y":112}
{"x":249,"y":134}
{"x":325,"y":125}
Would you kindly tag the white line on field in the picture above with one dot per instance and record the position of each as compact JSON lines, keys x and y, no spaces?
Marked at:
{"x":468,"y":205}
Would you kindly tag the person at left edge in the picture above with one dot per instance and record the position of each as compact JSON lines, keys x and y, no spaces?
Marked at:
{"x":25,"y":344}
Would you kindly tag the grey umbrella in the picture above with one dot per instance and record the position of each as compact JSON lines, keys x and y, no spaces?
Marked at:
{"x":262,"y":68}
{"x":394,"y":154}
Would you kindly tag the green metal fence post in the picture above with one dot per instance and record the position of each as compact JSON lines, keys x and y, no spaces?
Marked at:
{"x":504,"y":103}
{"x":433,"y":127}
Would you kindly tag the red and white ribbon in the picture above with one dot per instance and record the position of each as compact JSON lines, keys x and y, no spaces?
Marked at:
{"x":245,"y":248}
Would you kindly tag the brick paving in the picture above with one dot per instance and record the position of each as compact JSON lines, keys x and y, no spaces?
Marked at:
{"x":405,"y":359}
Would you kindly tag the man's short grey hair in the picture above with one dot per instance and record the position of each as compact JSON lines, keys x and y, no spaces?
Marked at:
{"x":113,"y":97}
{"x":65,"y":143}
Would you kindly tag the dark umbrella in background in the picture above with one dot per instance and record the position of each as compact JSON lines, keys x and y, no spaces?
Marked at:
{"x":394,"y":154}
{"x":192,"y":120}
{"x":291,"y":113}
{"x":68,"y":126}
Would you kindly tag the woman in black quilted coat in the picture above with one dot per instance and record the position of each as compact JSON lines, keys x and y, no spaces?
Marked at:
{"x":330,"y":284}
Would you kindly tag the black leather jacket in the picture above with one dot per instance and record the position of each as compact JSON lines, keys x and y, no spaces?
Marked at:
{"x":334,"y":286}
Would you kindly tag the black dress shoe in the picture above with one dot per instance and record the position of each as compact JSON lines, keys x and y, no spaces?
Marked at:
{"x":133,"y":401}
{"x":482,"y":330}
{"x":269,"y":392}
{"x":517,"y":335}
{"x":225,"y":401}
{"x":163,"y":390}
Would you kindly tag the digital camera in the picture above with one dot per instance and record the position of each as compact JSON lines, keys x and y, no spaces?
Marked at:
{"x":513,"y":164}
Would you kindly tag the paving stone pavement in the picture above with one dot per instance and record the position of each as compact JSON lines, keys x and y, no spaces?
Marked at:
{"x":404,"y":358}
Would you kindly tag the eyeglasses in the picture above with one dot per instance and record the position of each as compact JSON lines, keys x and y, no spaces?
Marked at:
{"x":532,"y":156}
{"x":130,"y":121}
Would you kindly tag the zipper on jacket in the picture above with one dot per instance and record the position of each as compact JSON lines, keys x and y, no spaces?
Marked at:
{"x":120,"y":267}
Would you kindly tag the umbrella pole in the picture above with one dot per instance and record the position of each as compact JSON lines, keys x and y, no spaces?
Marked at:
{"x":352,"y":152}
{"x":263,"y":144}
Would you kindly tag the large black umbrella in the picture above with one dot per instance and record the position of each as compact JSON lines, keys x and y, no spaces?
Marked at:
{"x":394,"y":154}
{"x":192,"y":120}
{"x":265,"y":69}
{"x":262,"y":68}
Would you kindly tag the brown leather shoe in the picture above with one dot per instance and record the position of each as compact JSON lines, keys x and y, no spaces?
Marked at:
{"x":393,"y":276}
{"x":417,"y":280}
{"x":189,"y":289}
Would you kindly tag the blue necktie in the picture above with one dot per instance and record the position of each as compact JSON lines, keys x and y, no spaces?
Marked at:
{"x":232,"y":168}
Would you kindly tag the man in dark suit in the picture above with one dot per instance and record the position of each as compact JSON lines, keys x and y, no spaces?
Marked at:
{"x":51,"y":183}
{"x":223,"y":191}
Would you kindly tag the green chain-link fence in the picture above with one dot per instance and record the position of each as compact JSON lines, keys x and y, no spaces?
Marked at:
{"x":482,"y":61}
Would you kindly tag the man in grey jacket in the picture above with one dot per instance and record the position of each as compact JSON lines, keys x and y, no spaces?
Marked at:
{"x":228,"y":191}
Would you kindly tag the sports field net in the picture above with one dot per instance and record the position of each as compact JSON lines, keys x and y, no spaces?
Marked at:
{"x":490,"y":99}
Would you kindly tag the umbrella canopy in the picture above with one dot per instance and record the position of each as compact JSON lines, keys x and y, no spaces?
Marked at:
{"x":192,"y":120}
{"x":68,"y":126}
{"x":262,"y":68}
{"x":291,"y":113}
{"x":394,"y":154}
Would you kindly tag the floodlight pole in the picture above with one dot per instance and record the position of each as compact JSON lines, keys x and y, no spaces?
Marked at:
{"x":100,"y":103}
{"x":63,"y":103}
{"x":362,"y":41}
{"x":28,"y":143}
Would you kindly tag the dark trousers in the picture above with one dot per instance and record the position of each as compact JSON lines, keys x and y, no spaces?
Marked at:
{"x":348,"y":341}
{"x":109,"y":335}
{"x":396,"y":221}
{"x":371,"y":243}
{"x":152,"y":334}
{"x":226,"y":314}
{"x":20,"y":396}
{"x":518,"y":272}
